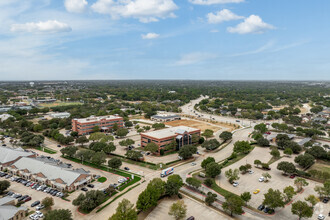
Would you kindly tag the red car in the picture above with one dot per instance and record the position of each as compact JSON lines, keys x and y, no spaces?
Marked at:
{"x":292,"y":176}
{"x":27,"y":199}
{"x":268,"y":132}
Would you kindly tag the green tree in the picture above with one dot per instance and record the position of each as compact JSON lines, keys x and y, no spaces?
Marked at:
{"x":59,"y":214}
{"x":257,"y":163}
{"x":233,"y":204}
{"x":85,"y":155}
{"x":232,"y":175}
{"x":173,"y":185}
{"x":96,"y":129}
{"x":121,"y":132}
{"x":37,"y":128}
{"x":48,"y":202}
{"x":226,"y":135}
{"x":275,"y":153}
{"x":187,"y":151}
{"x":96,"y":136}
{"x":110,"y":147}
{"x":243,"y":169}
{"x":208,"y":182}
{"x":125,"y":211}
{"x":195,"y":183}
{"x":150,"y":196}
{"x":90,"y":200}
{"x":273,"y":199}
{"x":69,"y":151}
{"x":262,"y":128}
{"x":300,"y":183}
{"x":206,"y":161}
{"x":213,"y":169}
{"x":152,"y":147}
{"x":288,"y":152}
{"x":263,"y":142}
{"x":302,"y":210}
{"x":82,"y":140}
{"x":4,"y":185}
{"x":99,"y":158}
{"x":305,"y":160}
{"x":115,"y":127}
{"x":288,"y":193}
{"x":211,"y":144}
{"x":114,"y":163}
{"x":246,"y":196}
{"x":242,"y":147}
{"x":313,"y":200}
{"x":128,"y":124}
{"x":194,"y":138}
{"x":286,"y":167}
{"x":210,"y":198}
{"x":134,"y":155}
{"x":208,"y":133}
{"x":178,"y":210}
{"x":267,"y":176}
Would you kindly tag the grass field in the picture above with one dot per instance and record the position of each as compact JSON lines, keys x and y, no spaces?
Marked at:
{"x":58,"y":103}
{"x":194,"y":124}
{"x":320,"y":167}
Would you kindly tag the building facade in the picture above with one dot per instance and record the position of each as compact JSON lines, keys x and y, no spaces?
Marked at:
{"x":86,"y":125}
{"x":182,"y":135}
{"x":165,"y":117}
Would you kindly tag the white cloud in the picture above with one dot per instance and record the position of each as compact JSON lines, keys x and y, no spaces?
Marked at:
{"x":252,"y":24}
{"x":221,"y":16}
{"x":150,"y":36}
{"x":75,"y":6}
{"x":194,"y":58}
{"x":213,"y":2}
{"x":51,"y":26}
{"x":144,"y":10}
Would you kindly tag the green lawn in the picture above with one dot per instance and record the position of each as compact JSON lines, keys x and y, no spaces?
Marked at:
{"x":102,"y":179}
{"x":47,"y":150}
{"x":320,"y":167}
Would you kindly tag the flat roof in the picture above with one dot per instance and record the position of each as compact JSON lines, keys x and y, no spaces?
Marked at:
{"x":168,"y":132}
{"x":96,"y":119}
{"x":165,"y":116}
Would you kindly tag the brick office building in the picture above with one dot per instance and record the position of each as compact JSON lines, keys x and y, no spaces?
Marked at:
{"x":85,"y":125}
{"x":181,"y":134}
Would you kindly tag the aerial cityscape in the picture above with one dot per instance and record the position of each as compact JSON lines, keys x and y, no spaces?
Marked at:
{"x":164,"y":109}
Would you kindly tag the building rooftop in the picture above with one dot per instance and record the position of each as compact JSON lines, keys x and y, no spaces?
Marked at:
{"x":50,"y":170}
{"x":165,"y":116}
{"x":96,"y":119}
{"x":8,"y":211}
{"x":168,"y":132}
{"x":10,"y":154}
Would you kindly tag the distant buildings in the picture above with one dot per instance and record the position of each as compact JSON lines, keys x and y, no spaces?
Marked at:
{"x":86,"y":125}
{"x":8,"y":210}
{"x":165,"y":117}
{"x":9,"y":155}
{"x":60,"y":115}
{"x":182,"y":135}
{"x":50,"y":172}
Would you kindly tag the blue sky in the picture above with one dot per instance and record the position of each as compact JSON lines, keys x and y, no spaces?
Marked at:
{"x":165,"y":39}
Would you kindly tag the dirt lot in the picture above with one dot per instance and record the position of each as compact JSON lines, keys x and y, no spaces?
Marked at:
{"x":320,"y":167}
{"x":194,"y":124}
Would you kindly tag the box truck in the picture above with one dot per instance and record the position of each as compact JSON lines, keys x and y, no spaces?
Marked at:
{"x":167,"y":172}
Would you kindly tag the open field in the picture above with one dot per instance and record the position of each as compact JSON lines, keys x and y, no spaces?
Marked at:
{"x":194,"y":124}
{"x":57,"y":103}
{"x":320,"y":167}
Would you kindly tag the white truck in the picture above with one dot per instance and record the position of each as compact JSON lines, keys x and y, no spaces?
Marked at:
{"x":167,"y":172}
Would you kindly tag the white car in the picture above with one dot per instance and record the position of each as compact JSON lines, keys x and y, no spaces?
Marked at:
{"x":321,"y":217}
{"x":39,"y":207}
{"x":39,"y":214}
{"x":261,"y":179}
{"x":235,"y":184}
{"x":122,"y":180}
{"x":251,"y":172}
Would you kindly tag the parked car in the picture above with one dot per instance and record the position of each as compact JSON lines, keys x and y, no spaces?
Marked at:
{"x":256,"y":191}
{"x":261,"y":207}
{"x":191,"y":218}
{"x":27,"y":199}
{"x":193,"y":164}
{"x":261,"y":179}
{"x":126,"y":168}
{"x":292,"y":176}
{"x":251,"y":172}
{"x":235,"y":184}
{"x":84,"y":189}
{"x":325,"y":200}
{"x":35,"y":203}
{"x":320,"y":217}
{"x":22,"y":198}
{"x":39,"y":207}
{"x":59,"y":145}
{"x":90,"y":185}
